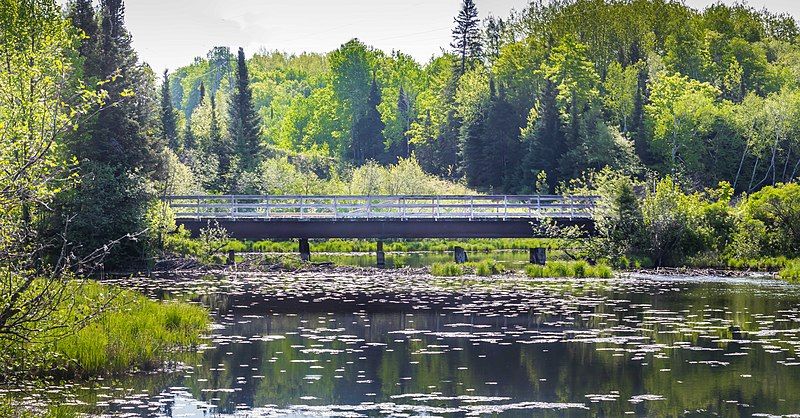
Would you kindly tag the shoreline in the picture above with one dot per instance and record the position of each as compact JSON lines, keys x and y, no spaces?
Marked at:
{"x":190,"y":265}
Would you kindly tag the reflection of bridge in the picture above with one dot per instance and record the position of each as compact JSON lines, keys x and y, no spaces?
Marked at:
{"x":379,"y":217}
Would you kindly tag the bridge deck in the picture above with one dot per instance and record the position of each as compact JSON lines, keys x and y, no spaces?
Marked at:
{"x":379,"y":217}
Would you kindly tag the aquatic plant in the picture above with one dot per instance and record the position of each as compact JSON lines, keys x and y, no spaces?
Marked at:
{"x":577,"y":269}
{"x":791,"y":271}
{"x":487,"y":268}
{"x":447,"y":269}
{"x":134,"y":332}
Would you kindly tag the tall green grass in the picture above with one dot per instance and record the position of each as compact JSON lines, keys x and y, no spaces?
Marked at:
{"x":791,"y":271}
{"x":562,"y":269}
{"x":134,"y":333}
{"x":447,"y":270}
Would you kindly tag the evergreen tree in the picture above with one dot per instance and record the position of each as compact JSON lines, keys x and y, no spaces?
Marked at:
{"x":545,"y":140}
{"x":404,"y":111}
{"x":117,"y":155}
{"x":467,"y":35}
{"x":494,"y":33}
{"x":82,"y":15}
{"x":169,"y":124}
{"x":221,"y":148}
{"x":189,"y":140}
{"x":244,"y":125}
{"x":368,"y":138}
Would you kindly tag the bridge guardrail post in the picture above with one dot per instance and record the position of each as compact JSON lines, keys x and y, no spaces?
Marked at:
{"x":505,"y":207}
{"x":233,"y":207}
{"x":335,"y":207}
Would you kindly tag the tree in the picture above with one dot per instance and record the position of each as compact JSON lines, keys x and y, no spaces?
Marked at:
{"x":222,"y":149}
{"x":169,"y":124}
{"x":118,"y":154}
{"x":368,"y":141}
{"x":350,"y":76}
{"x":244,"y":124}
{"x":544,"y":139}
{"x":467,"y":35}
{"x":41,"y":102}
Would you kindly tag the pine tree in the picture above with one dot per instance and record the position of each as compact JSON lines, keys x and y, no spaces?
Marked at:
{"x":368,"y":137}
{"x":467,"y":35}
{"x":244,"y":123}
{"x":494,"y":34}
{"x":169,"y":123}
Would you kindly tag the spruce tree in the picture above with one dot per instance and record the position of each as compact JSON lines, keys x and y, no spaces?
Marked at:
{"x":368,"y":137}
{"x":117,"y":155}
{"x":404,"y":112}
{"x":219,"y":147}
{"x":82,"y":15}
{"x":169,"y":124}
{"x":545,"y":144}
{"x":467,"y":35}
{"x":244,"y":125}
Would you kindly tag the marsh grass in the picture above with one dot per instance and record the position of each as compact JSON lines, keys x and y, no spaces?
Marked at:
{"x":133,"y":333}
{"x":486,"y":267}
{"x":575,"y":269}
{"x":791,"y":271}
{"x":447,"y":270}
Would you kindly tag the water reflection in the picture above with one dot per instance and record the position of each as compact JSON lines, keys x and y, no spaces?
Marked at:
{"x":389,"y":345}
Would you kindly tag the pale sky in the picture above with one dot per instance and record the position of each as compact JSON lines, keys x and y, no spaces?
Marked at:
{"x":170,"y":33}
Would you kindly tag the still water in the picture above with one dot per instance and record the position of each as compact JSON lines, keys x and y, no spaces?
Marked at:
{"x":386,"y":343}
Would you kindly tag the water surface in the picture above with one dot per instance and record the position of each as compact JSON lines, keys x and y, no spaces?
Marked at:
{"x":391,"y":344}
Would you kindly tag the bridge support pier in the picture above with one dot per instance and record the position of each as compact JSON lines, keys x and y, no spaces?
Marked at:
{"x":460,"y":255}
{"x":539,"y":256}
{"x":305,"y":250}
{"x":381,"y":256}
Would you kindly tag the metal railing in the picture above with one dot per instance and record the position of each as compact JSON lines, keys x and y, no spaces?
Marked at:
{"x":380,"y":207}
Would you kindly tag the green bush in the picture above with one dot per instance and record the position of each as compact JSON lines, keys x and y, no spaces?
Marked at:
{"x":447,"y":269}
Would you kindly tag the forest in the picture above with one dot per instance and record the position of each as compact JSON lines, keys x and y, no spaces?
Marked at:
{"x":518,"y":104}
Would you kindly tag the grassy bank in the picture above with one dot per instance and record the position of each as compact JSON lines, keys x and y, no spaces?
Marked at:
{"x":131,"y":333}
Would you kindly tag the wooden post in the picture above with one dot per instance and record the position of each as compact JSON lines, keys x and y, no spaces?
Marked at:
{"x":305,"y":250}
{"x":231,"y":258}
{"x":381,"y":256}
{"x":460,"y":255}
{"x":539,"y":256}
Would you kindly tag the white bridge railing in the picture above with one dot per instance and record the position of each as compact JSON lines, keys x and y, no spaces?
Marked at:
{"x":380,"y":207}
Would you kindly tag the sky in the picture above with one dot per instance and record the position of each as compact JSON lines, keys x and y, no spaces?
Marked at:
{"x":170,"y":33}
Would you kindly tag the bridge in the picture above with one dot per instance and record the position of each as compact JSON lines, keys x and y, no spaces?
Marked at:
{"x":379,"y":217}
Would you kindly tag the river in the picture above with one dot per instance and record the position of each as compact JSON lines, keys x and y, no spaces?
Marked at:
{"x":392,"y":343}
